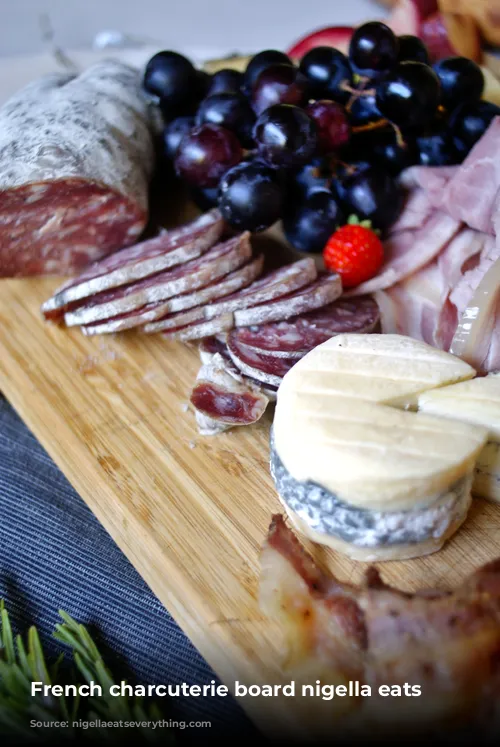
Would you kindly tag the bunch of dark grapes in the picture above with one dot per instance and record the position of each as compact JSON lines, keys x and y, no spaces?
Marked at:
{"x":316,"y":142}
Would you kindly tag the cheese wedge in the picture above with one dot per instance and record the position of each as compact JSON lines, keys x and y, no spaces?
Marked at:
{"x":342,"y":422}
{"x":476,"y":401}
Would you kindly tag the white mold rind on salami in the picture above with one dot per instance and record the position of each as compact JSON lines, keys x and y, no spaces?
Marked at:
{"x":274,"y":285}
{"x":217,"y":262}
{"x":231,"y":282}
{"x":295,"y":337}
{"x":76,"y":156}
{"x":168,"y":249}
{"x":199,"y":330}
{"x":267,"y":369}
{"x":323,"y":291}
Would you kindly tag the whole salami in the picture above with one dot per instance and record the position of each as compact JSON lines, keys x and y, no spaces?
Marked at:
{"x":76,"y":156}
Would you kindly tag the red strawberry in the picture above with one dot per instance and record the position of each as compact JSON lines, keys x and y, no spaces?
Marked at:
{"x":355,"y":252}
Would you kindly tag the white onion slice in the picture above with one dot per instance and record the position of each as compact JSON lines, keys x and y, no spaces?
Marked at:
{"x":471,"y":340}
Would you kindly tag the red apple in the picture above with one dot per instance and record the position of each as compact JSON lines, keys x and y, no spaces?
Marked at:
{"x":408,"y":16}
{"x":330,"y":36}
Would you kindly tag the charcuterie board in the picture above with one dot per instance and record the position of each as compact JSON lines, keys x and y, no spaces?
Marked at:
{"x":190,"y":512}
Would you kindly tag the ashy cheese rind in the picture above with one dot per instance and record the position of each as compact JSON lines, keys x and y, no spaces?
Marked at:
{"x":338,"y":423}
{"x":476,"y":401}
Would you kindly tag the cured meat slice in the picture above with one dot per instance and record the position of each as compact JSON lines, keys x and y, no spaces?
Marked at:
{"x":417,"y":210}
{"x":199,"y":330}
{"x":473,"y":194}
{"x":195,"y":302}
{"x":237,"y":279}
{"x":431,"y":178}
{"x":321,"y":292}
{"x":76,"y":156}
{"x":445,"y":641}
{"x":408,"y":251}
{"x":265,"y":368}
{"x":452,"y":262}
{"x":166,"y":250}
{"x":412,"y":307}
{"x":274,"y":285}
{"x":217,"y":262}
{"x":209,"y":346}
{"x":295,"y":337}
{"x":222,"y":399}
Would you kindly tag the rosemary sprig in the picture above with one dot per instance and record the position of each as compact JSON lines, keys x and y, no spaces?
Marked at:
{"x":21,"y":664}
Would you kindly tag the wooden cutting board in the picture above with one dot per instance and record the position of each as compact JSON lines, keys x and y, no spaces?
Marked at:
{"x":189,"y":512}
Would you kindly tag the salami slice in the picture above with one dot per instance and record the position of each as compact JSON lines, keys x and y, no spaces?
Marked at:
{"x":166,"y":250}
{"x":217,"y":262}
{"x":209,"y":347}
{"x":264,"y":368}
{"x":275,"y":284}
{"x":76,"y":156}
{"x":237,"y":279}
{"x":322,"y":292}
{"x":199,"y":330}
{"x":299,"y":335}
{"x":222,"y":399}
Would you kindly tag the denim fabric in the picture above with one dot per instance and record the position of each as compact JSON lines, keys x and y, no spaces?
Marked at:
{"x":55,"y":555}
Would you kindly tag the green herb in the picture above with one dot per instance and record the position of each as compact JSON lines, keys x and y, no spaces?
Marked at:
{"x":21,"y":664}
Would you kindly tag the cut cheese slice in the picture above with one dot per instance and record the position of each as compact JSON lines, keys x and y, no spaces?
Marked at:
{"x":340,"y":422}
{"x":476,"y":401}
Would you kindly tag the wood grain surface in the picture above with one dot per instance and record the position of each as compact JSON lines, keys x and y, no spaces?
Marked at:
{"x":189,"y":512}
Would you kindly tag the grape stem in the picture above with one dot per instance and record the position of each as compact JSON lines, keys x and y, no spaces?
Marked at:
{"x":378,"y":125}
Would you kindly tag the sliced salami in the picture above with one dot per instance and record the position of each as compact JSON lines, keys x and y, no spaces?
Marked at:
{"x":190,"y":301}
{"x":274,"y":285}
{"x":321,"y":292}
{"x":265,"y":368}
{"x":166,"y":250}
{"x":217,"y":262}
{"x":76,"y":156}
{"x":222,"y":399}
{"x":209,"y":347}
{"x":199,"y":330}
{"x":297,"y":336}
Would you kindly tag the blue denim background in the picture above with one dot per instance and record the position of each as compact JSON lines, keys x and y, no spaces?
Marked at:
{"x":55,"y":555}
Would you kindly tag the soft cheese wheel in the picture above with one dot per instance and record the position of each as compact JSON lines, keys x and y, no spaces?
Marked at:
{"x":338,"y":422}
{"x":476,"y":401}
{"x":373,"y":479}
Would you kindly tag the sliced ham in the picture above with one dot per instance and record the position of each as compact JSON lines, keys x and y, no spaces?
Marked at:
{"x":453,"y":260}
{"x":470,"y":280}
{"x":433,"y":179}
{"x":473,"y":194}
{"x":412,"y":307}
{"x":408,"y":251}
{"x":417,"y":210}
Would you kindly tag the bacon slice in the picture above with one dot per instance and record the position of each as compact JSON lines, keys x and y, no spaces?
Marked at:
{"x":448,"y":643}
